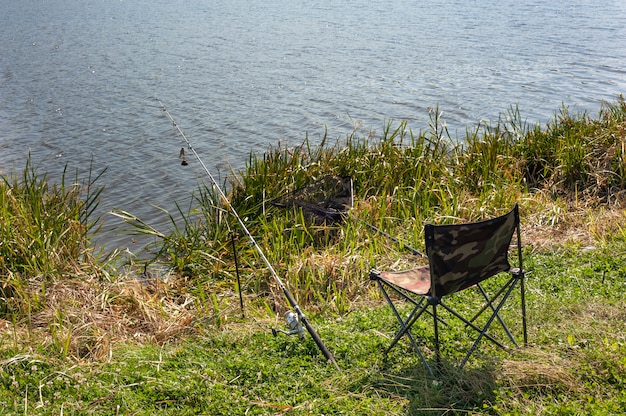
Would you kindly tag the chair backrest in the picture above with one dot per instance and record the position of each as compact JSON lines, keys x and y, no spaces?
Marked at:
{"x":462,"y":255}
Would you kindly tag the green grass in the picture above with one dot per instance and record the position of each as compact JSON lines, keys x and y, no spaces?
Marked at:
{"x":78,"y":337}
{"x":574,"y":365}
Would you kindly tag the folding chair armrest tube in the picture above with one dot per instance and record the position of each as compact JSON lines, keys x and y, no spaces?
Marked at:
{"x":374,"y":274}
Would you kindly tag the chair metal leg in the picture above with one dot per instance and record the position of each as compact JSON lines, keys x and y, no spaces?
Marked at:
{"x":396,"y":313}
{"x":405,"y":328}
{"x":523,"y":300}
{"x":436,"y":325}
{"x":495,"y":296}
{"x":472,"y":325}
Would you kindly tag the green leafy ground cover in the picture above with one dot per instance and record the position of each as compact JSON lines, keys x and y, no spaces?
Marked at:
{"x":575,"y":363}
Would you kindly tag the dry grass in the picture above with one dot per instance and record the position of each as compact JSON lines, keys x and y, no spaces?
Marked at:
{"x":540,"y":371}
{"x":546,"y":223}
{"x":84,"y":317}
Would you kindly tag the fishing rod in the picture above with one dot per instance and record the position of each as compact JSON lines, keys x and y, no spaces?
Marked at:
{"x":302,"y":319}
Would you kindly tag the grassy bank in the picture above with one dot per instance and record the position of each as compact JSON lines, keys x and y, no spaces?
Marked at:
{"x":80,"y":337}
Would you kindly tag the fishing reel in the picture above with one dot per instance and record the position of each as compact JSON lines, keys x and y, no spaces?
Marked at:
{"x":294,"y":324}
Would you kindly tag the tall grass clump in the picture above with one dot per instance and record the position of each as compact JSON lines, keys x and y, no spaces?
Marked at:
{"x":62,"y":298}
{"x":196,"y":238}
{"x":44,"y":233}
{"x":577,"y":154}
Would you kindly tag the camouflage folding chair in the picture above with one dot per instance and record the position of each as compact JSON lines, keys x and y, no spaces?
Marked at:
{"x":460,"y":256}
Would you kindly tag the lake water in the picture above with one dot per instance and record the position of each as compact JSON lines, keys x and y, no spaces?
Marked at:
{"x":79,"y":79}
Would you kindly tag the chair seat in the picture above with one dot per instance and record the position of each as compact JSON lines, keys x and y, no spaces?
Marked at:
{"x":415,"y":280}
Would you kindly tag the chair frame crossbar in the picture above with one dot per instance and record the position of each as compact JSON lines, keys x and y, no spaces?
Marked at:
{"x":403,"y":324}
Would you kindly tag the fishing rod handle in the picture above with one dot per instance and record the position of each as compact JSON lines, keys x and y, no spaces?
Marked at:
{"x":319,"y":342}
{"x":303,"y":319}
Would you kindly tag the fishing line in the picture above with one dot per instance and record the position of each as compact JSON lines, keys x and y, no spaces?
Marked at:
{"x":301,"y":317}
{"x":185,"y":162}
{"x":394,"y":239}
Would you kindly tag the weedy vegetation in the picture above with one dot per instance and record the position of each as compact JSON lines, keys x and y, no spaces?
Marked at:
{"x":82,"y":333}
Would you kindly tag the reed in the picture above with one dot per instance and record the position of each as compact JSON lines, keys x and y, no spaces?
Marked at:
{"x":45,"y":232}
{"x":402,"y":180}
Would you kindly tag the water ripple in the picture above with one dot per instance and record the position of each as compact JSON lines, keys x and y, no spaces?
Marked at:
{"x":78,"y":80}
